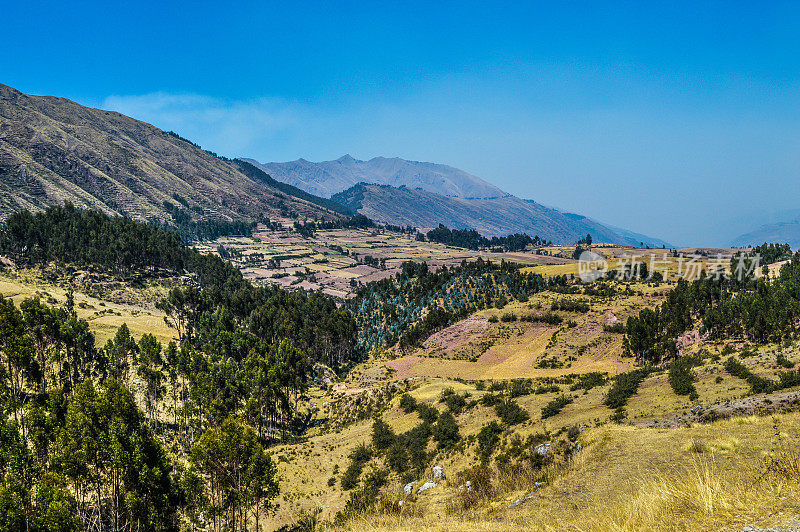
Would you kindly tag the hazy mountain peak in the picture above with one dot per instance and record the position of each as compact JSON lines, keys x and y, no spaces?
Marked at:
{"x":327,"y":178}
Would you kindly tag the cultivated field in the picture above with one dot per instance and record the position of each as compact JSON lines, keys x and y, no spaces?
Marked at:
{"x":335,"y":261}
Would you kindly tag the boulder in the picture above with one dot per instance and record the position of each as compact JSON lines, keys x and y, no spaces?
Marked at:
{"x":438,"y":473}
{"x":409,"y":488}
{"x":542,"y":449}
{"x":428,"y":485}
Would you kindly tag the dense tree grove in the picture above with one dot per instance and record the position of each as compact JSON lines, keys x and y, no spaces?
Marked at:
{"x":83,"y":444}
{"x":416,"y":302}
{"x":757,"y":309}
{"x":471,"y":239}
{"x":772,"y":253}
{"x":84,"y":238}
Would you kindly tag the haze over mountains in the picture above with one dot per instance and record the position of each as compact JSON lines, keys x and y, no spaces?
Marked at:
{"x":420,"y":194}
{"x":54,"y":150}
{"x":327,"y":178}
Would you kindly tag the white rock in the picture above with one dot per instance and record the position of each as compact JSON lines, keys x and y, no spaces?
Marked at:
{"x":542,"y":449}
{"x":438,"y":473}
{"x":409,"y":488}
{"x":428,"y":485}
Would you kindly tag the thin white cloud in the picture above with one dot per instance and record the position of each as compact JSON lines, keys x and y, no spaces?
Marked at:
{"x":233,"y":128}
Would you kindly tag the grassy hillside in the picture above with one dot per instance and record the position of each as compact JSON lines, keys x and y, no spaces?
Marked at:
{"x":53,"y":150}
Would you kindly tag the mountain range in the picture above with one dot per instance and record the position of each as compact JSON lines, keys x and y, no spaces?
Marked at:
{"x":327,"y":178}
{"x":423,"y":195}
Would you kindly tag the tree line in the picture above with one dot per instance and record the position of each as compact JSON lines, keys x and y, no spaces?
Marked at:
{"x":472,"y":239}
{"x":760,"y":310}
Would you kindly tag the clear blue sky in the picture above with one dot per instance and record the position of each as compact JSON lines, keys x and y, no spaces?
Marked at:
{"x":663,"y":117}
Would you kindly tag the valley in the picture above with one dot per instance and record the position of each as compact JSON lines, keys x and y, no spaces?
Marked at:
{"x":189,"y":343}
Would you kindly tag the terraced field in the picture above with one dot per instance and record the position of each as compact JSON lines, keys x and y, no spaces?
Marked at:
{"x":335,"y":261}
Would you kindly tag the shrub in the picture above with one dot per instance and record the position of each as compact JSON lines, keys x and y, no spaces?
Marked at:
{"x":358,"y":458}
{"x":589,"y":381}
{"x":397,"y":456}
{"x":624,"y":387}
{"x":382,"y":435}
{"x":427,"y":412}
{"x":781,"y":360}
{"x":618,"y":327}
{"x":547,"y":388}
{"x":480,"y":483}
{"x":520,"y":387}
{"x":681,"y":377}
{"x":554,"y":407}
{"x":445,"y":431}
{"x":570,"y":305}
{"x":488,"y":437}
{"x":757,"y":384}
{"x":508,"y":317}
{"x":455,"y":403}
{"x":447,"y":392}
{"x":493,"y":319}
{"x":408,"y":403}
{"x":489,"y":399}
{"x":510,"y":412}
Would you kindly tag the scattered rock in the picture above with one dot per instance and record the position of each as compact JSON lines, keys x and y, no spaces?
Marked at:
{"x":542,"y":449}
{"x":409,"y":488}
{"x":520,"y":501}
{"x":428,"y":485}
{"x":438,"y":473}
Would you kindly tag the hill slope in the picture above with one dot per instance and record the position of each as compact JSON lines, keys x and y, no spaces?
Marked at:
{"x":326,"y":178}
{"x":491,"y":216}
{"x":784,"y":232}
{"x":54,"y":150}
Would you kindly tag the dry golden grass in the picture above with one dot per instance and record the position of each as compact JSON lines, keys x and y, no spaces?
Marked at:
{"x":709,"y":477}
{"x":104,"y":317}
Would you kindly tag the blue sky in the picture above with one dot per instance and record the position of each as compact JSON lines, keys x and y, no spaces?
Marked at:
{"x":676,"y":119}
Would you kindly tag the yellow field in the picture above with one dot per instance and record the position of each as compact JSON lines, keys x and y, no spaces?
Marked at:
{"x":104,"y":316}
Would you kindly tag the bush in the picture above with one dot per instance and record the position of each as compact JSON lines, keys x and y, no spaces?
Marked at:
{"x":427,"y":413}
{"x":757,"y":384}
{"x":445,"y":431}
{"x":480,"y":483}
{"x":681,"y":377}
{"x":382,"y":435}
{"x":447,"y":392}
{"x":510,"y":412}
{"x":624,"y":387}
{"x":489,"y":399}
{"x":618,"y":327}
{"x":520,"y":387}
{"x":488,"y":437}
{"x":397,"y":456}
{"x":570,"y":305}
{"x":781,"y":360}
{"x":455,"y":403}
{"x":554,"y":407}
{"x":408,"y":403}
{"x":508,"y":317}
{"x":589,"y":381}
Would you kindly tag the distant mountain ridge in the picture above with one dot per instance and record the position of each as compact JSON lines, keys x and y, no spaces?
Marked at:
{"x":785,"y":232}
{"x":425,"y":194}
{"x":327,"y":178}
{"x":54,"y":150}
{"x":491,"y":216}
